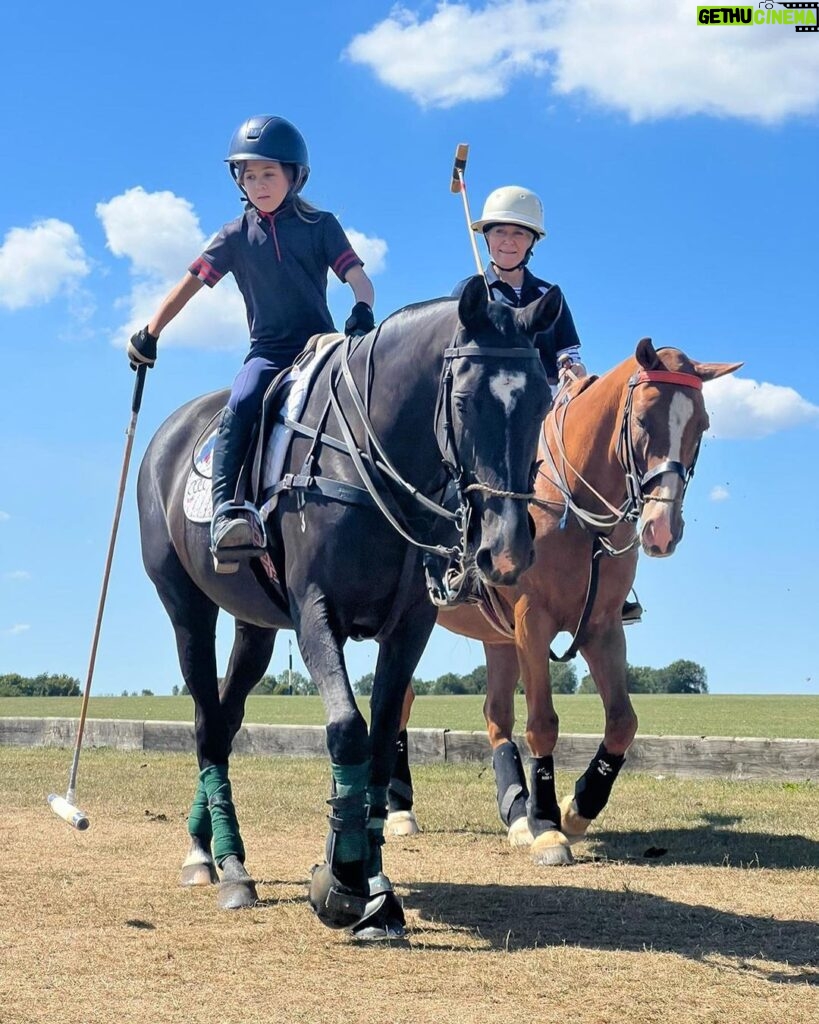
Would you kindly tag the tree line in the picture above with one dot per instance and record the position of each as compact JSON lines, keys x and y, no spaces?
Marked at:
{"x":43,"y":685}
{"x":681,"y":676}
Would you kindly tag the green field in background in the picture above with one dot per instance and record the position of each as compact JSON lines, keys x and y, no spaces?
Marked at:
{"x":660,"y":714}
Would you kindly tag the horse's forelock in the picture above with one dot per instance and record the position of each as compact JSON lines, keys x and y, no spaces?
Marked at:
{"x":502,"y":319}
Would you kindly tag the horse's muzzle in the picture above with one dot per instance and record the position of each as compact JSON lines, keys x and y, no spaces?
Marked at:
{"x":506,"y":549}
{"x":661,"y":530}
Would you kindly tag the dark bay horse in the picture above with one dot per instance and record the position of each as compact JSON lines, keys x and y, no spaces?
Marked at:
{"x":616,"y":454}
{"x":413,"y":439}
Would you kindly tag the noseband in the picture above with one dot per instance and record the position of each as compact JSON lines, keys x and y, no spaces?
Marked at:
{"x":637,"y":482}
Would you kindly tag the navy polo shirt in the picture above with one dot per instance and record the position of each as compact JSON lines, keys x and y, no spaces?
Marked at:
{"x":562,"y":335}
{"x":280,"y":262}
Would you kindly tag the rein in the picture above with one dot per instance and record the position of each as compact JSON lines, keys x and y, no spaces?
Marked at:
{"x":632,"y":507}
{"x":375,"y":467}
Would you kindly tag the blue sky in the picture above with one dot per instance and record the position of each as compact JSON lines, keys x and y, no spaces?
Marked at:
{"x":677,"y":166}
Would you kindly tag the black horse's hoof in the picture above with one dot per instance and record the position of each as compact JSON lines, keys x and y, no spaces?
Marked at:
{"x":237,"y":890}
{"x":333,"y":903}
{"x":385,"y":922}
{"x":236,"y":895}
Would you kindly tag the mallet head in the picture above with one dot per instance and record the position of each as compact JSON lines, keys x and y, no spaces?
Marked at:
{"x":459,"y":167}
{"x":68,"y":812}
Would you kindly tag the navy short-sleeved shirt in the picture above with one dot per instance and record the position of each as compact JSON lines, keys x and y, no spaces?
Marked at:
{"x":561,"y":338}
{"x":280,"y":263}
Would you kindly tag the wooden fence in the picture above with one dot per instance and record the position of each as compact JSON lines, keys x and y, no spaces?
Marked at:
{"x":777,"y":760}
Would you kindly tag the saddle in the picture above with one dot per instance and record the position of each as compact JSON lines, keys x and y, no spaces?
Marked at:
{"x":283,"y":402}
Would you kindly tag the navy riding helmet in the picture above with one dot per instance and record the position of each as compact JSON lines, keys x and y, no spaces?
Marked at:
{"x":266,"y":137}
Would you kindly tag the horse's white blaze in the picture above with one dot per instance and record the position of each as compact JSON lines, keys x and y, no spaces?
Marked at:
{"x":506,"y":387}
{"x":680,"y":412}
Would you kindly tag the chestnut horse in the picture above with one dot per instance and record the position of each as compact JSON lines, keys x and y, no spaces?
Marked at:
{"x":616,"y":454}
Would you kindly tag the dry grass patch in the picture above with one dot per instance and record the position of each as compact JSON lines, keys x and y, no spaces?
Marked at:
{"x":721,"y":927}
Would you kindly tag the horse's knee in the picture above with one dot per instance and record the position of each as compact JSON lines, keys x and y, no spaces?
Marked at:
{"x":347,"y":737}
{"x":541,"y":733}
{"x":621,"y":728}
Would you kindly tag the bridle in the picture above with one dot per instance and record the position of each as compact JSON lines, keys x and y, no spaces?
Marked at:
{"x":636,"y":480}
{"x":636,"y":483}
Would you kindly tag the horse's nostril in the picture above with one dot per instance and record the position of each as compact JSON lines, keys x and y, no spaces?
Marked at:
{"x":483,"y":560}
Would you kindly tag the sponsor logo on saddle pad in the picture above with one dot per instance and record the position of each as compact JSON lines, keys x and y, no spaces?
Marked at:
{"x":197,"y":501}
{"x":803,"y":16}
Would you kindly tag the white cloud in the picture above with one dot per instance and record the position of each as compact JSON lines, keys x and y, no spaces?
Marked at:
{"x":40,"y":262}
{"x":373,"y":251}
{"x":647,"y":60}
{"x":719,"y":493}
{"x":17,"y":575}
{"x":4,"y":517}
{"x":17,"y":629}
{"x":159,"y":233}
{"x":739,"y":407}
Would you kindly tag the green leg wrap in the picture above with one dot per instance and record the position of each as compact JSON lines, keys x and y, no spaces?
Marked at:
{"x":199,"y":823}
{"x":226,"y":838}
{"x":348,"y":802}
{"x":376,"y":818}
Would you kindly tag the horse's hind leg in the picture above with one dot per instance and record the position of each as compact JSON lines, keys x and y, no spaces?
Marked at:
{"x":401,"y":820}
{"x":249,"y":659}
{"x":605,"y":654}
{"x":502,"y":673}
{"x":193,"y":616}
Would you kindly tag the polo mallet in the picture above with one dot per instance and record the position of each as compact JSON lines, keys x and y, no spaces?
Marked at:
{"x":458,"y":184}
{"x":67,"y":808}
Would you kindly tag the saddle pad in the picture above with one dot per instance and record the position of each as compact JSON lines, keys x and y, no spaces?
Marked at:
{"x":300,"y":379}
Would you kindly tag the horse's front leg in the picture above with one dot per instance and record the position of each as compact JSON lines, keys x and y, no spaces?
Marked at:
{"x":339,"y":888}
{"x":605,"y":654}
{"x":502,"y":674}
{"x":534,"y":629}
{"x":398,"y":656}
{"x":249,"y":659}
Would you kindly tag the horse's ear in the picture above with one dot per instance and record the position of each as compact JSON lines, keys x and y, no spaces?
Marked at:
{"x":646,"y":355}
{"x":472,"y":305}
{"x":541,"y":314}
{"x":710,"y":371}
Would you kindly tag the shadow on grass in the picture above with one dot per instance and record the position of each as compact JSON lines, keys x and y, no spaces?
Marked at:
{"x":529,"y":917}
{"x":719,"y":841}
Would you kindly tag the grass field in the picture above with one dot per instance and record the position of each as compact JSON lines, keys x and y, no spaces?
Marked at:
{"x":719,"y":928}
{"x":784,"y":717}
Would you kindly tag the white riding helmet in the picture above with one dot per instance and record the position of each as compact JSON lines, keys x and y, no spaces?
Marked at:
{"x":512,"y":204}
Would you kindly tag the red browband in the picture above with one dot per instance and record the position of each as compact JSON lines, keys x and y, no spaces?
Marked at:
{"x":685,"y":380}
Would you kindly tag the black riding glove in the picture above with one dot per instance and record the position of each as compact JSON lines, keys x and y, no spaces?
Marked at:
{"x":142,"y":349}
{"x":360,"y":320}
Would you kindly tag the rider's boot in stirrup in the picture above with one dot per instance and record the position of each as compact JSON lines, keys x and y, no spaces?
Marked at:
{"x":231,"y":533}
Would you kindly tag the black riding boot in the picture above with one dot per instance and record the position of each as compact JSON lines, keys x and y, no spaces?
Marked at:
{"x":231,"y":535}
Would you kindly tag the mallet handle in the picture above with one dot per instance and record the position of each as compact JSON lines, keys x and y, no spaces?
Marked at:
{"x":123,"y":476}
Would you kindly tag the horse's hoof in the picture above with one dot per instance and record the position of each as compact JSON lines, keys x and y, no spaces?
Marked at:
{"x":198,"y":874}
{"x":572,"y":824}
{"x":386,"y":923}
{"x":401,"y":823}
{"x":237,"y":890}
{"x":383,"y":916}
{"x":519,"y":833}
{"x":333,"y":903}
{"x":551,"y":849}
{"x":237,"y":895}
{"x":198,"y":867}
